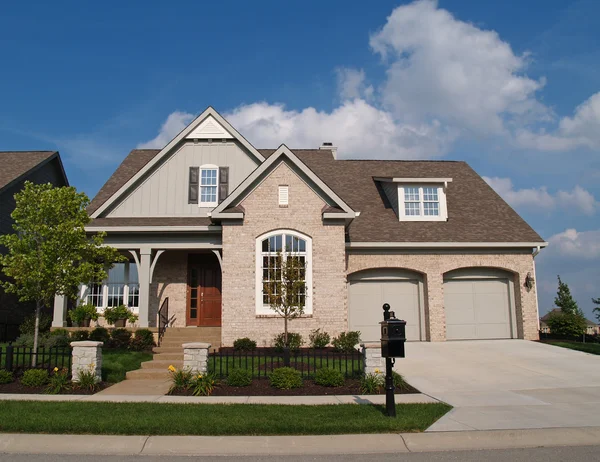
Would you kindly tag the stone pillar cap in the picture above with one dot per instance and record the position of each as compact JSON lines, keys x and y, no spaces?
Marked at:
{"x":196,"y":345}
{"x":87,"y":343}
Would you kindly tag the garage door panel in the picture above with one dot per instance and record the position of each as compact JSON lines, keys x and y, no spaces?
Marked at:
{"x":464,"y":315}
{"x":461,"y":331}
{"x":493,"y":331}
{"x":492,"y":308}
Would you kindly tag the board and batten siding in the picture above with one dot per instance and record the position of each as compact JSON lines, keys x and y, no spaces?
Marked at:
{"x":165,"y":191}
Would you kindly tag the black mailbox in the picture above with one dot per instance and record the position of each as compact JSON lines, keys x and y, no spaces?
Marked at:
{"x":393,"y":335}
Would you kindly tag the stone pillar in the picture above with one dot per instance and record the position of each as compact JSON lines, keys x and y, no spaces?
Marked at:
{"x":195,"y":357}
{"x":60,"y":311}
{"x":87,"y":356}
{"x":144,"y":280}
{"x":372,"y":358}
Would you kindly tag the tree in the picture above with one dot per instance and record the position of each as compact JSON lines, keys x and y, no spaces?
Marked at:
{"x":596,"y":301}
{"x":570,"y":321}
{"x":286,"y":288}
{"x":50,"y":254}
{"x":564,"y":300}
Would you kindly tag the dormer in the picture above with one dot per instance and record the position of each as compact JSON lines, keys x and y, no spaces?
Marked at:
{"x":417,"y":199}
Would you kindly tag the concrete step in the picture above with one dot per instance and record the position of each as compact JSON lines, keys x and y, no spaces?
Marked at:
{"x":163,"y":365}
{"x":169,"y":356}
{"x":148,"y":374}
{"x":161,"y":349}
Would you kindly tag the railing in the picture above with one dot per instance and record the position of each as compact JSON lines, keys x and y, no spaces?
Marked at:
{"x":20,"y":358}
{"x":262,"y":361}
{"x":163,"y":319}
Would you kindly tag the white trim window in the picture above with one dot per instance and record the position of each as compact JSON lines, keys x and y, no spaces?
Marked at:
{"x":209,"y":186}
{"x":425,"y":202}
{"x":120,"y":288}
{"x":287,"y":244}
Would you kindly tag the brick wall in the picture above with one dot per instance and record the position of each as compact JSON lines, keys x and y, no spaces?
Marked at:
{"x":170,"y":280}
{"x":263,"y":214}
{"x":435,"y":265}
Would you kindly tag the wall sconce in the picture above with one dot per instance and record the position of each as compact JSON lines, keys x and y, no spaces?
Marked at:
{"x":529,"y":281}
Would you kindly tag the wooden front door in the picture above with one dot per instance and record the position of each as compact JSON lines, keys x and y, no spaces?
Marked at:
{"x":204,"y":291}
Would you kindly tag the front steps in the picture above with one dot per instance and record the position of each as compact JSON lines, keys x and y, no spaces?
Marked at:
{"x":170,"y":351}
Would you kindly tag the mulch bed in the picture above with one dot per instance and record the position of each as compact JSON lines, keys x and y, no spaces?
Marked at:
{"x":263,"y":388}
{"x":18,"y":388}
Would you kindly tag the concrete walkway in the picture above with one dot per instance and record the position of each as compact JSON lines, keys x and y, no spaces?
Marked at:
{"x":506,"y":384}
{"x":294,"y":445}
{"x":138,"y":387}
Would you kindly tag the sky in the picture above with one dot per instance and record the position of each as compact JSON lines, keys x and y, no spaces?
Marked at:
{"x":511,"y":87}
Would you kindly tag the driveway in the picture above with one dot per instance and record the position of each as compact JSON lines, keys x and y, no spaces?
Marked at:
{"x":506,"y":384}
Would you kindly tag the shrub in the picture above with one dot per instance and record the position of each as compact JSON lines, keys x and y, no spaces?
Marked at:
{"x":79,"y":335}
{"x":120,"y":338}
{"x":319,"y":339}
{"x":87,"y":379}
{"x":100,"y":334}
{"x":60,"y":332}
{"x":28,"y":324}
{"x":181,"y":379}
{"x":244,"y":344}
{"x":203,"y":384}
{"x":285,"y":378}
{"x":5,"y":376}
{"x":35,"y":378}
{"x":82,"y":314}
{"x":53,"y":341}
{"x":239,"y":378}
{"x":143,"y":340}
{"x":329,"y":378}
{"x":59,"y":381}
{"x":371,"y":384}
{"x":26,"y":340}
{"x":399,"y":381}
{"x":112,"y":315}
{"x":567,"y":324}
{"x":346,"y":341}
{"x":294,"y":340}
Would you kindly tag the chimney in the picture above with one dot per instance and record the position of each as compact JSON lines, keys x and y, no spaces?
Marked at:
{"x":329,"y":146}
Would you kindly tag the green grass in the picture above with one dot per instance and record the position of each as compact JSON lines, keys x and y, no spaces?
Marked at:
{"x":593,"y":348}
{"x":212,"y":419}
{"x":115,"y":363}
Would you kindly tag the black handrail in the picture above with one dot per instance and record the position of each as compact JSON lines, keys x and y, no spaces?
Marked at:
{"x":163,"y":319}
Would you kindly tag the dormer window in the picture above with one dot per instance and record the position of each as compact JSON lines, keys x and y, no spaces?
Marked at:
{"x":421,"y":201}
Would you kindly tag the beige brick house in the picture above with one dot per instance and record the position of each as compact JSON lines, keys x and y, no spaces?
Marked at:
{"x":202,"y":218}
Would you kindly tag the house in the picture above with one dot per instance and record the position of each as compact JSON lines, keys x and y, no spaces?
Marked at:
{"x":591,"y":327}
{"x":17,"y":168}
{"x":203,"y":218}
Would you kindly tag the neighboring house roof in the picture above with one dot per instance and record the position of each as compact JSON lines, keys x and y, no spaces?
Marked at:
{"x":545,"y":318}
{"x":18,"y":164}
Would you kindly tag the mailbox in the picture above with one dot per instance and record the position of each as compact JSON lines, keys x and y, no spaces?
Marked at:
{"x":393,"y":335}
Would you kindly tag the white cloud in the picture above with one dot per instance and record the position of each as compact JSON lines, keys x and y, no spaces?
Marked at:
{"x":578,"y":199}
{"x":576,"y":244}
{"x":176,"y":121}
{"x":352,"y":84}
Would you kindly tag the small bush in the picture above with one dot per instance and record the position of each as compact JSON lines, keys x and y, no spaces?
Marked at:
{"x":319,"y":339}
{"x":100,"y":334}
{"x":26,"y":340}
{"x":285,"y":378}
{"x":143,"y":340}
{"x":60,"y":333}
{"x":372,"y":384}
{"x":28,"y":324}
{"x":80,"y":335}
{"x":35,"y":378}
{"x":567,"y":324}
{"x":59,"y":381}
{"x":399,"y":381}
{"x":203,"y":384}
{"x":87,"y":379}
{"x":6,"y":376}
{"x":329,"y":378}
{"x":346,"y":341}
{"x":82,"y":314}
{"x":295,"y":341}
{"x":244,"y":344}
{"x":114,"y":314}
{"x":120,"y":338}
{"x":55,"y":341}
{"x":239,"y":378}
{"x":181,"y":379}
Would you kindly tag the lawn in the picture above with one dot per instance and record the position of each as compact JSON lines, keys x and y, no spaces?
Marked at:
{"x":593,"y":348}
{"x":212,"y":419}
{"x":115,"y":363}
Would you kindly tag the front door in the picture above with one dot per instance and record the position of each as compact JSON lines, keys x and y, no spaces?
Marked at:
{"x":204,"y":291}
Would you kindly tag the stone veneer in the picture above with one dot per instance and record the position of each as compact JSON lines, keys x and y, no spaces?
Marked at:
{"x":195,"y":357}
{"x":433,"y":266}
{"x":263,"y":214}
{"x":87,"y":356}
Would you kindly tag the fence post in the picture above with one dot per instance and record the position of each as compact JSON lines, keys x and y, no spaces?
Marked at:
{"x":87,"y":356}
{"x":195,"y":357}
{"x":372,"y":358}
{"x":9,"y":357}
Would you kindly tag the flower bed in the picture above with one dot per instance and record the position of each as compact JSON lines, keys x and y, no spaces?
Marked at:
{"x":19,"y":388}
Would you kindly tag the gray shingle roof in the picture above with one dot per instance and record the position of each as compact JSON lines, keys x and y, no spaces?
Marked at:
{"x":15,"y":164}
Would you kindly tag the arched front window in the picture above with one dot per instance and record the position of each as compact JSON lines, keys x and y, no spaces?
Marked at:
{"x":271,"y":249}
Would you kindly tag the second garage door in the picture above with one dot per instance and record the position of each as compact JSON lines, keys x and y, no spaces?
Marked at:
{"x":478,"y":308}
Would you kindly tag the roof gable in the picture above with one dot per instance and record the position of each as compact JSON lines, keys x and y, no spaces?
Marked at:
{"x":18,"y":164}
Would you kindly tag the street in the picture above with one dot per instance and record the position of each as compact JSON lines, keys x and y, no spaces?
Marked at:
{"x":556,"y":454}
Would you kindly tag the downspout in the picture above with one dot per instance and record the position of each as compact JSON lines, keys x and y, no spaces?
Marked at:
{"x":537,"y":308}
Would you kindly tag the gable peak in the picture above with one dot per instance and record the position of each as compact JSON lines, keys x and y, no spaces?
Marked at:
{"x":209,"y":128}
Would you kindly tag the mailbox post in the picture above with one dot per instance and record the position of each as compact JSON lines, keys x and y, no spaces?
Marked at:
{"x":393,"y":336}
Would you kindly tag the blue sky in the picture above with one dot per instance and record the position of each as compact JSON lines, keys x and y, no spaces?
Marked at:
{"x":511,"y":87}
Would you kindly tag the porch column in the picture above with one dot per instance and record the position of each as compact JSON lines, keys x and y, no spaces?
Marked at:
{"x":144,"y":280}
{"x":60,"y":311}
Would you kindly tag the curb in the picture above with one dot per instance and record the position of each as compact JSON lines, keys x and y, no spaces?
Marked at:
{"x":296,"y":445}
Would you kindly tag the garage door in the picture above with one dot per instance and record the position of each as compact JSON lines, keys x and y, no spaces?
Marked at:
{"x":366,"y":298}
{"x":477,"y":309}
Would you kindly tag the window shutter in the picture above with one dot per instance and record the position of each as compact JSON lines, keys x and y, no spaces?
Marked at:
{"x":223,"y":183}
{"x":193,"y":186}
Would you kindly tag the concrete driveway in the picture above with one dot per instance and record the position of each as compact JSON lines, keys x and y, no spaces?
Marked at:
{"x":506,"y":384}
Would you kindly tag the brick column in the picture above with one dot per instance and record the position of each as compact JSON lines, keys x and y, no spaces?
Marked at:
{"x":372,"y":357}
{"x":435,"y":305}
{"x":87,"y":356}
{"x":195,"y":357}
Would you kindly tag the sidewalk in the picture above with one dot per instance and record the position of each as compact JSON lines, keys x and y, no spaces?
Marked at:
{"x":295,"y":445}
{"x":290,"y":400}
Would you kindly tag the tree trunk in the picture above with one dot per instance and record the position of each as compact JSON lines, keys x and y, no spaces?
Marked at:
{"x":285,"y":332}
{"x":36,"y":333}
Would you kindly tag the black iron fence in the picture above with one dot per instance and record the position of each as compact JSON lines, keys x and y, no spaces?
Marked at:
{"x":262,"y":361}
{"x":21,"y":358}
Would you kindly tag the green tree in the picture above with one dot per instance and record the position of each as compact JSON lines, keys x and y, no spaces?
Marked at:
{"x":564,"y":300}
{"x":596,"y":301}
{"x":50,"y":253}
{"x":570,"y":321}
